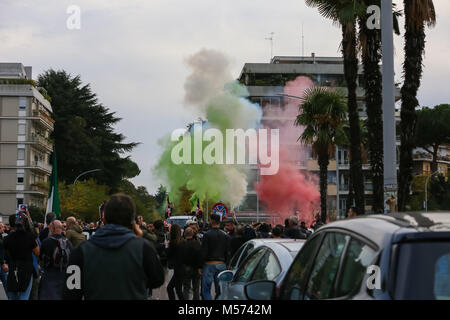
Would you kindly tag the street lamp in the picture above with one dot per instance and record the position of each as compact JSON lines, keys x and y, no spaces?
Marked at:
{"x":426,"y":189}
{"x":86,"y":172}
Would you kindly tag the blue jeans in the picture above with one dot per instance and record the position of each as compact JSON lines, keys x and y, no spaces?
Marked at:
{"x":210,"y":273}
{"x":3,"y":279}
{"x":25,"y":295}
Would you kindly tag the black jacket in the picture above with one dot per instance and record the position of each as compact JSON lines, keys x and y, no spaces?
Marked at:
{"x":115,"y":265}
{"x":193,"y":253}
{"x":216,"y":246}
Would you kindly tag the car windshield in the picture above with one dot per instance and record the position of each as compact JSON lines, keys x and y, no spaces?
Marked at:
{"x":180,"y":222}
{"x":423,"y":271}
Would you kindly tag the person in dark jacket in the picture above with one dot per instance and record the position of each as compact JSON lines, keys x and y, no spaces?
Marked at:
{"x":293,"y":231}
{"x":45,"y":232}
{"x":193,"y":261}
{"x":237,"y":241}
{"x":3,"y":266}
{"x":51,"y":286}
{"x":116,"y":263}
{"x":216,"y":250}
{"x":175,"y":261}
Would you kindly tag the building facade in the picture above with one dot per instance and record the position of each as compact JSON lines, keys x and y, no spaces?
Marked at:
{"x":25,"y":146}
{"x":266,"y":86}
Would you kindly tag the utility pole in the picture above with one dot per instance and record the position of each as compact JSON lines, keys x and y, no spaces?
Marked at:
{"x":389,"y":135}
{"x":271,"y":44}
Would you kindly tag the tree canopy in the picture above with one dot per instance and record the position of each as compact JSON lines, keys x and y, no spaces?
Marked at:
{"x":84,"y":133}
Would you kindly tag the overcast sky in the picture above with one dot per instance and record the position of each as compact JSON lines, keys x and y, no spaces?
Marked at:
{"x":133,"y":52}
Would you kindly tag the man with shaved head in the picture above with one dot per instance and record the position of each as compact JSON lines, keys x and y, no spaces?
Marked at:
{"x":55,"y":252}
{"x":74,"y":233}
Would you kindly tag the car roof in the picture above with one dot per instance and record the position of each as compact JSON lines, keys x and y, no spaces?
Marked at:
{"x":400,"y":226}
{"x":290,"y":245}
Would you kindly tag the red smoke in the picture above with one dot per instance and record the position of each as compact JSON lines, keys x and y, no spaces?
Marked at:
{"x":289,"y":190}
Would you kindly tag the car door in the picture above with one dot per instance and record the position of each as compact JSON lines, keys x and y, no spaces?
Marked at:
{"x":268,"y":267}
{"x":244,"y":274}
{"x":314,"y":270}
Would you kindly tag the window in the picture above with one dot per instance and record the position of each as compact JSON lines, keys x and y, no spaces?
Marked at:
{"x":442,"y":278}
{"x":268,"y":268}
{"x":19,"y":201}
{"x":246,"y":269}
{"x":358,"y":257}
{"x":20,"y":178}
{"x":295,"y":280}
{"x":22,"y":103}
{"x":22,"y":129}
{"x":20,"y":154}
{"x":326,"y":264}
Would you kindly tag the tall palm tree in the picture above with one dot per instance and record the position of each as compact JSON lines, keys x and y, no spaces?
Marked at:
{"x":370,"y":49}
{"x":418,"y":13}
{"x":345,"y":12}
{"x":322,"y":114}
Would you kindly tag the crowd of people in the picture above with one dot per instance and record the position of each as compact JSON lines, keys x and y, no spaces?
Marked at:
{"x":124,"y":256}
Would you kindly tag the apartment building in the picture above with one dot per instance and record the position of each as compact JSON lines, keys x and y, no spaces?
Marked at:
{"x":25,"y":147}
{"x":266,"y":85}
{"x":423,"y":160}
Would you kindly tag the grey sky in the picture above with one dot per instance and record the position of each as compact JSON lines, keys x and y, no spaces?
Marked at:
{"x":133,"y":52}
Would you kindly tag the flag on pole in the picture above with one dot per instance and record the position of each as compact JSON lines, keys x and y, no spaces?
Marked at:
{"x":168,"y":208}
{"x":198,"y":210}
{"x":53,"y":204}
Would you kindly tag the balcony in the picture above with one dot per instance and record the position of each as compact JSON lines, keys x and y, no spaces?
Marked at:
{"x":41,"y":143}
{"x":41,"y":166}
{"x":42,"y":117}
{"x":39,"y":188}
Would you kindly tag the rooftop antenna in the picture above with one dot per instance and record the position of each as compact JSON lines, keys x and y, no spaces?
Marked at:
{"x":271,"y":44}
{"x":303,"y":42}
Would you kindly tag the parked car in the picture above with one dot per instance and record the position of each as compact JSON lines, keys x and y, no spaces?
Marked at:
{"x":265,"y":259}
{"x":398,"y":256}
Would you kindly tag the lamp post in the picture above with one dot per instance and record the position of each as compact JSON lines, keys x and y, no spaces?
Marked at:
{"x":389,"y":136}
{"x":426,"y":189}
{"x":86,"y":172}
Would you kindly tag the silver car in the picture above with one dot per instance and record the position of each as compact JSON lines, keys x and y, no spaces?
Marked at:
{"x":257,"y":259}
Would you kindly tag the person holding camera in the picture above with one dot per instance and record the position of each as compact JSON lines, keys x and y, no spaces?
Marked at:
{"x":120,"y":264}
{"x":19,"y":247}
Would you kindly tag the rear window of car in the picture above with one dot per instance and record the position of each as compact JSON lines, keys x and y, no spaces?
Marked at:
{"x":423,"y":271}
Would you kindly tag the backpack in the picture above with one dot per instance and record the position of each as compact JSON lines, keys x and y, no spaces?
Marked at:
{"x":61,"y":254}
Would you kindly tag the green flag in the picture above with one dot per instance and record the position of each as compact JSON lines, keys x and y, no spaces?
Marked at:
{"x":53,"y":195}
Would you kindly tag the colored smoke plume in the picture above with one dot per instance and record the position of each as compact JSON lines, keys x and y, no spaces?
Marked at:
{"x":211,"y":90}
{"x":289,"y":190}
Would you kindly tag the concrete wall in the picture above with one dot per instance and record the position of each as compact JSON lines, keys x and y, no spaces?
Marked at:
{"x":8,"y":154}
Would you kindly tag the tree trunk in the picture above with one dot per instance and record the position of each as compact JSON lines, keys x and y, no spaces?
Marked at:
{"x":323,"y":165}
{"x":412,"y":70}
{"x":351,"y":73}
{"x":373,"y":86}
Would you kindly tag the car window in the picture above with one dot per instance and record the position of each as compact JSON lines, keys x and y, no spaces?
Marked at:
{"x":295,"y":280}
{"x":326,"y":264}
{"x":248,"y":266}
{"x":268,"y":267}
{"x":236,"y":256}
{"x":357,"y":258}
{"x":442,"y":278}
{"x":248,"y":249}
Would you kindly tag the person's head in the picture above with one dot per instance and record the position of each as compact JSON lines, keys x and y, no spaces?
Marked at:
{"x":193,"y":225}
{"x":352,"y":212}
{"x":303,"y":225}
{"x":140,"y":220}
{"x":286,"y":222}
{"x":264,"y":227}
{"x":120,"y":210}
{"x":49,"y":218}
{"x":151,"y":227}
{"x":2,"y":228}
{"x":229,"y":225}
{"x":293,"y":221}
{"x":175,"y":234}
{"x":159,"y":225}
{"x":240,"y":231}
{"x":188,"y":233}
{"x":56,"y":227}
{"x":277,"y":231}
{"x":19,"y":222}
{"x":71,"y":221}
{"x":215,"y":220}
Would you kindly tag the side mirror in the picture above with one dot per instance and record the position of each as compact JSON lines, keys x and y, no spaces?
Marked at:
{"x":225,"y":276}
{"x":260,"y":290}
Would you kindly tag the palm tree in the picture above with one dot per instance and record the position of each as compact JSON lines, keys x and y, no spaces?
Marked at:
{"x":370,"y":49}
{"x":418,"y":13}
{"x":322,"y":114}
{"x":345,"y":12}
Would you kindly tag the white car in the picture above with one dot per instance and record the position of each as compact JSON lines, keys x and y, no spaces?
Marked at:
{"x":181,"y":220}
